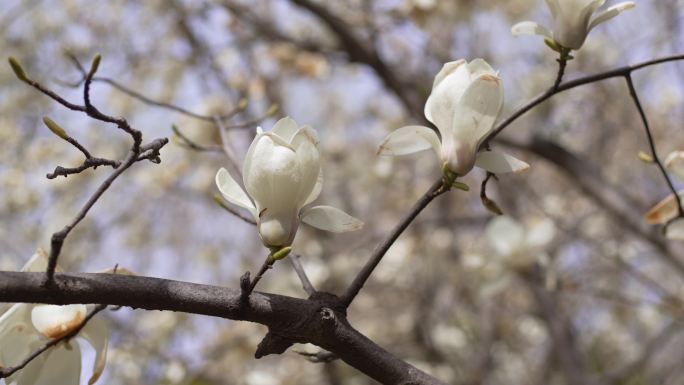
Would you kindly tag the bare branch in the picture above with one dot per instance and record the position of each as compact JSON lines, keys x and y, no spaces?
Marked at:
{"x":618,"y":72}
{"x":437,"y":189}
{"x":651,"y":144}
{"x":320,"y":320}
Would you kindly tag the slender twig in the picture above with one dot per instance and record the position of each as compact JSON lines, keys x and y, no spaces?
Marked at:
{"x":88,"y":163}
{"x":437,"y":189}
{"x":561,"y":71}
{"x":299,"y":269}
{"x":6,"y":372}
{"x":651,"y":144}
{"x":618,"y":72}
{"x":138,"y":152}
{"x":487,"y":202}
{"x":57,"y":240}
{"x":149,"y":101}
{"x":564,"y":56}
{"x":246,"y":290}
{"x":191,"y":144}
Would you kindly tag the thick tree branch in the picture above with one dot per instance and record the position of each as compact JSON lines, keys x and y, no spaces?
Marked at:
{"x":319,"y":320}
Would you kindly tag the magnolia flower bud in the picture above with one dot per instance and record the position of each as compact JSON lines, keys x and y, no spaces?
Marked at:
{"x":281,"y":174}
{"x":464,"y":104}
{"x":572,"y":21}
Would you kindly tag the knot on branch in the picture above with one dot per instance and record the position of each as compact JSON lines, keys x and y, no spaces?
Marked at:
{"x":327,"y":315}
{"x":329,"y":301}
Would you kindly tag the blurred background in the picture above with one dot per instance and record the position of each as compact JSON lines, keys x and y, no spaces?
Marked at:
{"x":595,"y":294}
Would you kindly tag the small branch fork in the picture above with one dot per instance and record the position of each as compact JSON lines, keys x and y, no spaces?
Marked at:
{"x":652,"y":145}
{"x":138,"y":152}
{"x":8,"y":371}
{"x":617,"y":72}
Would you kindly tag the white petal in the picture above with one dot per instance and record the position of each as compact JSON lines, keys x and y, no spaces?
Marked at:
{"x":273,"y":176}
{"x":553,"y":7}
{"x":446,"y":93}
{"x":305,"y":143}
{"x":530,"y":28}
{"x":285,"y":128}
{"x":479,"y":67}
{"x":37,"y":263}
{"x":571,"y":26}
{"x":247,"y":165}
{"x":610,"y":13}
{"x":316,"y":190}
{"x":675,"y":163}
{"x":474,"y":117}
{"x":446,"y":70}
{"x":16,"y":334}
{"x":505,"y":235}
{"x":232,"y":191}
{"x":96,"y":333}
{"x":479,"y":107}
{"x":540,"y":234}
{"x":675,"y":230}
{"x":55,"y":321}
{"x":59,"y":365}
{"x":409,"y":139}
{"x":331,"y":219}
{"x":499,"y":163}
{"x":664,"y":210}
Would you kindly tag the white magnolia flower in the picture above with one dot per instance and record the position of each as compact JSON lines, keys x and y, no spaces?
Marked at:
{"x":282,"y":174}
{"x":465,"y":102}
{"x":666,"y":210}
{"x":26,"y":327}
{"x":572,"y":21}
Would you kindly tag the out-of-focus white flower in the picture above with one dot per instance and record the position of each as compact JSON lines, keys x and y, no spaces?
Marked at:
{"x":465,"y":102}
{"x":517,"y":245}
{"x":24,"y":328}
{"x":665,"y":211}
{"x":572,"y":21}
{"x":281,"y":174}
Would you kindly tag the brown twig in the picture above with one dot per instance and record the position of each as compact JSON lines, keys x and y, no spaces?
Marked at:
{"x":247,"y":286}
{"x":651,"y":144}
{"x":437,"y":189}
{"x":137,"y":153}
{"x":88,"y":163}
{"x":618,"y":72}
